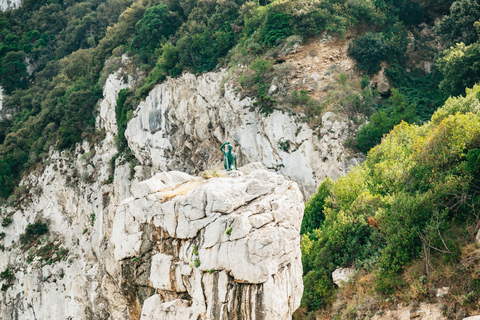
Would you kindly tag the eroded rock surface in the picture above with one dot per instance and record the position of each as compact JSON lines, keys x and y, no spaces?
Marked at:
{"x":10,"y":4}
{"x":224,"y":248}
{"x":183,"y":121}
{"x":142,"y":244}
{"x":423,"y":312}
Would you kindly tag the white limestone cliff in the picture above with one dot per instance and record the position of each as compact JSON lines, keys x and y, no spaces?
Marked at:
{"x":183,"y":121}
{"x":10,"y":4}
{"x":119,"y":244}
{"x":224,"y":248}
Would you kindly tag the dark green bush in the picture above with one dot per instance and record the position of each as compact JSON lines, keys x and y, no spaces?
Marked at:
{"x":383,"y":121}
{"x":7,"y":275}
{"x":13,"y":72}
{"x":313,"y":217}
{"x":123,"y":113}
{"x":156,"y":26}
{"x":458,"y":26}
{"x":276,"y":27}
{"x":32,"y":232}
{"x":6,"y":221}
{"x":418,"y":88}
{"x":369,"y":50}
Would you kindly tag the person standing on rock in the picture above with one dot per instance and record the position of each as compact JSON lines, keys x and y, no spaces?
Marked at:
{"x":230,"y":160}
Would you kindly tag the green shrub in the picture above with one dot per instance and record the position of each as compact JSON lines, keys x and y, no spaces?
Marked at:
{"x":410,"y":195}
{"x":458,"y":26}
{"x":313,"y":217}
{"x":7,"y":275}
{"x":383,"y":121}
{"x":256,"y":79}
{"x":6,"y":221}
{"x":32,"y":232}
{"x":275,"y":27}
{"x":121,"y":113}
{"x":418,"y":88}
{"x":460,"y":68}
{"x":156,"y":26}
{"x":369,"y":50}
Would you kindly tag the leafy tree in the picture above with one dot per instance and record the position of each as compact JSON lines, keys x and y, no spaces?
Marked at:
{"x":415,"y":187}
{"x":276,"y":27}
{"x":460,"y":66}
{"x":369,"y":50}
{"x":384,"y":120}
{"x":157,"y":25}
{"x":13,"y":72}
{"x":314,"y":216}
{"x":459,"y":24}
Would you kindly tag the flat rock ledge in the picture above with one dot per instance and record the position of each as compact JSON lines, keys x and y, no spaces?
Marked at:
{"x":222,"y":248}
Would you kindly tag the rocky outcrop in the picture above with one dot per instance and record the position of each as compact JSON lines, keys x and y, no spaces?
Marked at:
{"x":343,"y":275}
{"x":183,"y":121}
{"x":135,"y":243}
{"x":422,"y":312}
{"x":10,"y":4}
{"x":224,"y":248}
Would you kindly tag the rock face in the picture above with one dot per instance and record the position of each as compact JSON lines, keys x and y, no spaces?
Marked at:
{"x":422,"y":312}
{"x":225,"y":248}
{"x":10,"y":4}
{"x":183,"y":121}
{"x":141,"y":244}
{"x":343,"y":275}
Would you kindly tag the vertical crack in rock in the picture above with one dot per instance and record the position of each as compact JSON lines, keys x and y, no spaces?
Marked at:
{"x":210,"y":258}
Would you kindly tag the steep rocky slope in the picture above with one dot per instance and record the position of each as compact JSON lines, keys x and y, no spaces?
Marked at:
{"x":183,"y":121}
{"x":142,"y":244}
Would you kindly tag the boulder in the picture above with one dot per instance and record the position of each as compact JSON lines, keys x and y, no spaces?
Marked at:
{"x":343,"y":275}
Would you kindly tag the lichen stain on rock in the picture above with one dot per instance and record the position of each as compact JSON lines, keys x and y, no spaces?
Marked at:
{"x":134,"y":285}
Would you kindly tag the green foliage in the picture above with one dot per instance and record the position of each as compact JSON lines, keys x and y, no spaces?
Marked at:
{"x":7,"y":275}
{"x":157,"y":25}
{"x":415,"y":187}
{"x":309,"y":106}
{"x":313,"y":217}
{"x":256,"y":79}
{"x":458,"y":26}
{"x":418,"y":88}
{"x":123,"y":114}
{"x":276,"y":27}
{"x":229,"y":231}
{"x":92,"y":219}
{"x":383,"y":121}
{"x":460,"y":66}
{"x":32,"y":232}
{"x":369,"y":50}
{"x":6,"y":221}
{"x":53,"y":107}
{"x":13,"y":72}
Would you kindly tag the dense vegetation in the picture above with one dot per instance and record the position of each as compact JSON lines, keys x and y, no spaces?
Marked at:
{"x":413,"y":204}
{"x":414,"y":190}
